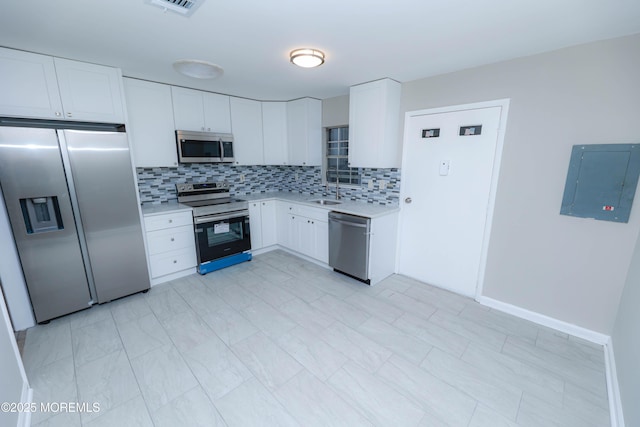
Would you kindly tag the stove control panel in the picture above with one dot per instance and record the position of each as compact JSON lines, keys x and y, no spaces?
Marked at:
{"x":201,"y":187}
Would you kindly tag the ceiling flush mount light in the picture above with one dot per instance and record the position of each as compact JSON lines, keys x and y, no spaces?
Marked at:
{"x":307,"y":58}
{"x":198,"y":69}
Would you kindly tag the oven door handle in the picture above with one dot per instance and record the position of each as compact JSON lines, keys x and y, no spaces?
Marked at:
{"x":222,"y":217}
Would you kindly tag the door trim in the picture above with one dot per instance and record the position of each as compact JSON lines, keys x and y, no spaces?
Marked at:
{"x":504,"y":105}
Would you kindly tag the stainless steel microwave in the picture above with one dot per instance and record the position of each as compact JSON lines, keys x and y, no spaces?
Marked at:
{"x":204,"y":147}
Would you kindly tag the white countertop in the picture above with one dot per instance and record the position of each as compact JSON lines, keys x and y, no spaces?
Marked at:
{"x":346,"y":206}
{"x":164,"y":208}
{"x":369,"y":210}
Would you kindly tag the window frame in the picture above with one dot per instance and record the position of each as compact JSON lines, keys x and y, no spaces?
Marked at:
{"x":325,"y":159}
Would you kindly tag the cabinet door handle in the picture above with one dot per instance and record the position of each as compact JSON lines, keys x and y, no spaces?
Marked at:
{"x":175,"y":261}
{"x":58,"y":113}
{"x":69,"y":115}
{"x":170,"y":221}
{"x":173,"y":240}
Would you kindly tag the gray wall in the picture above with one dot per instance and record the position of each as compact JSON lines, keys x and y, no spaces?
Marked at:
{"x":568,"y":268}
{"x":626,"y":343}
{"x":335,"y":111}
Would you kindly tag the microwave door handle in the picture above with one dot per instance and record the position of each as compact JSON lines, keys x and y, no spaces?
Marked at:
{"x":221,"y":150}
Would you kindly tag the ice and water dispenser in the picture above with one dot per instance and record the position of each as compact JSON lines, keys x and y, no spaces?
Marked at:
{"x":41,"y":214}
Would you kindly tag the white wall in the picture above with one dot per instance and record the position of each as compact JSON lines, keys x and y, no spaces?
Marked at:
{"x":14,"y":287}
{"x":626,"y":343}
{"x":14,"y":387}
{"x":571,"y":269}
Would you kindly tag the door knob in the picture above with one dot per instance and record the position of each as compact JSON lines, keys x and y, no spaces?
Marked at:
{"x":408,"y":200}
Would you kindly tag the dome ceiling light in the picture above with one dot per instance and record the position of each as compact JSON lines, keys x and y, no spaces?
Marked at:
{"x":198,"y":69}
{"x":307,"y":58}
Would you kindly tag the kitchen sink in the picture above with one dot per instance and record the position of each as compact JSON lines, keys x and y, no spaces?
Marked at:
{"x":326,"y":202}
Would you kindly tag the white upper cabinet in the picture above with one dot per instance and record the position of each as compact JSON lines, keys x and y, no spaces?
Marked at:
{"x":200,"y":111}
{"x":41,"y":86}
{"x":374,"y":113}
{"x":188,"y":111}
{"x":274,"y":131}
{"x":246,"y":124}
{"x":28,"y":86}
{"x":90,"y":92}
{"x":151,"y":128}
{"x":217,"y":113}
{"x":304,"y":132}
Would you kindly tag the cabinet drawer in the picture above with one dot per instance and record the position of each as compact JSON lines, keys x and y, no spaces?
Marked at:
{"x":160,"y":222}
{"x":171,"y":262}
{"x":290,"y":208}
{"x":170,"y":239}
{"x":313,"y":213}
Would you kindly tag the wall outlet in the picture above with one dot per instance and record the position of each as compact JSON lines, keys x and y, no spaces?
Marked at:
{"x":370,"y":184}
{"x":382,"y":184}
{"x":242,"y":178}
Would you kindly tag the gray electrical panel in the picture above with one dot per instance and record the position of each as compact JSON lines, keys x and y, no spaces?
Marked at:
{"x":601,"y":181}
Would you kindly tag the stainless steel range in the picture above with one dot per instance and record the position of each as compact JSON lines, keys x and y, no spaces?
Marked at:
{"x":221,"y":224}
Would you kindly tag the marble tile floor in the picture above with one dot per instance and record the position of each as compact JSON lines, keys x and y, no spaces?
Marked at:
{"x":281,"y":341}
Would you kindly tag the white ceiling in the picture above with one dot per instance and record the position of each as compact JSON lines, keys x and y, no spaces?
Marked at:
{"x":363,"y":40}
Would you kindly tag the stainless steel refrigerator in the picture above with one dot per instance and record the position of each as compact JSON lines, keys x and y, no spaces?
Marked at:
{"x":71,"y":199}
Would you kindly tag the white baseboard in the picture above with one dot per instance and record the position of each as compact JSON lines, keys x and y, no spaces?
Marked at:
{"x":173,"y":276}
{"x":292,"y":252}
{"x":541,"y":319}
{"x":24,"y":419}
{"x":613,"y":388}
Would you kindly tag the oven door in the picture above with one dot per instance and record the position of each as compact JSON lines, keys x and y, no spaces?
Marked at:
{"x":219,"y":236}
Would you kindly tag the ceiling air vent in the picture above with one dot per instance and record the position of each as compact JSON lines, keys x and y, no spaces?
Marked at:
{"x":183,"y":7}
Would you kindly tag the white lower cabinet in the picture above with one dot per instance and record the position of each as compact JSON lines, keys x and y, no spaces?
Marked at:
{"x":171,"y":245}
{"x":283,"y":223}
{"x":262,"y":223}
{"x":269,"y":223}
{"x":304,"y":229}
{"x":255,"y":225}
{"x":313,"y":238}
{"x":382,"y":247}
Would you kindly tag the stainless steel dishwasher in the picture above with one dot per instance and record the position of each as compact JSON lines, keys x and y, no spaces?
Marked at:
{"x":349,"y":245}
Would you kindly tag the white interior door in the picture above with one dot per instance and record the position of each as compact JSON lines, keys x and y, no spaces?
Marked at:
{"x":446,"y":193}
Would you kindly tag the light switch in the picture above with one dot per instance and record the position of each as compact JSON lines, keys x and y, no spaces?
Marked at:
{"x":370,"y":185}
{"x":242,"y":178}
{"x":382,"y":184}
{"x":444,"y":167}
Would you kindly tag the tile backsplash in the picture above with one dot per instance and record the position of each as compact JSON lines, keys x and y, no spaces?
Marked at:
{"x":157,"y":185}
